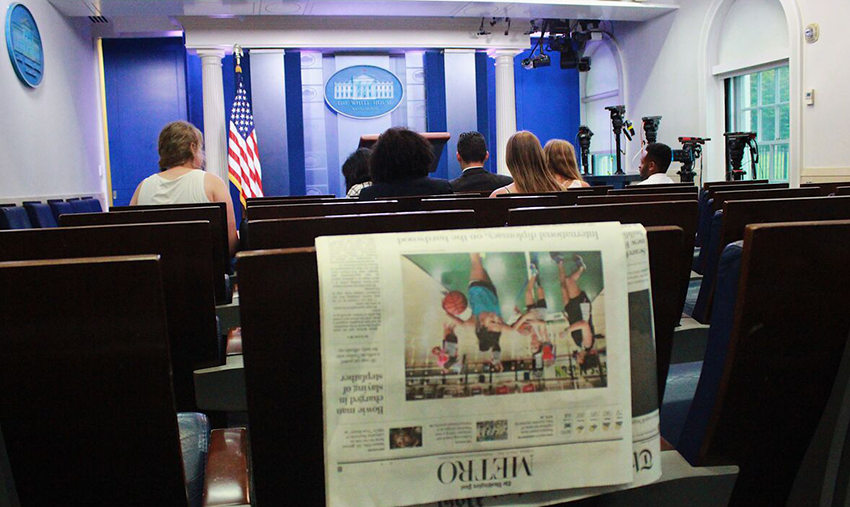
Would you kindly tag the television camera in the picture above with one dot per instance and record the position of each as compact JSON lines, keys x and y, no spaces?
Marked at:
{"x":690,"y":152}
{"x":735,"y":144}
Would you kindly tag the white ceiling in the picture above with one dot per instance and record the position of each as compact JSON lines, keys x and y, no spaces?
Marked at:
{"x":615,"y":10}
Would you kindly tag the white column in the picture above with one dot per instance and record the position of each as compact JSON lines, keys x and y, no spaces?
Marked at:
{"x":505,"y":103}
{"x":215,"y":129}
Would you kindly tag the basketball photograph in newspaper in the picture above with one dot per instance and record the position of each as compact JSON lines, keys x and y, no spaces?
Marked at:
{"x":503,"y":323}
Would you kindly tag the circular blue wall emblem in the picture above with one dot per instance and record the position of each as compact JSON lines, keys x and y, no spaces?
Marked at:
{"x":24,"y":44}
{"x":363,"y":91}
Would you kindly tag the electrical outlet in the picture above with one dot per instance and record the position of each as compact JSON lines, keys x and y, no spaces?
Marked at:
{"x":810,"y":97}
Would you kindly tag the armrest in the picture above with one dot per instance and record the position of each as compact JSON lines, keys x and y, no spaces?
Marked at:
{"x":226,"y":481}
{"x":234,"y":341}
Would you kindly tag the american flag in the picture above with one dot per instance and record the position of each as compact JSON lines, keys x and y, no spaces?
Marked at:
{"x":243,"y":159}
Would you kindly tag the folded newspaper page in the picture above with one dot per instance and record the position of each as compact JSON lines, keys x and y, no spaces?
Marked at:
{"x":645,"y":415}
{"x":475,"y":363}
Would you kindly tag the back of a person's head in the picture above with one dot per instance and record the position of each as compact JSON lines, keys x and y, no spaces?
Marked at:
{"x":356,"y":167}
{"x":561,"y":157}
{"x":472,"y":147}
{"x":400,"y":154}
{"x":180,"y":143}
{"x":661,"y":154}
{"x":527,"y":164}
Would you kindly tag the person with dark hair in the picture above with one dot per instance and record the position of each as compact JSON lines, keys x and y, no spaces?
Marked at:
{"x":401,"y":160}
{"x":654,"y":164}
{"x":356,"y":172}
{"x":181,"y":179}
{"x":471,"y":154}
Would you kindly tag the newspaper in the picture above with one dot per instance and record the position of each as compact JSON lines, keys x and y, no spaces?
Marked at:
{"x":475,"y":363}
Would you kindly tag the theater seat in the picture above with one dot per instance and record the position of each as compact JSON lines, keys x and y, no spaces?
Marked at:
{"x":40,"y":215}
{"x":722,"y":319}
{"x":92,"y":204}
{"x":194,"y":441}
{"x":709,"y":253}
{"x":14,"y":217}
{"x":79,"y":206}
{"x":59,"y":207}
{"x":703,"y":232}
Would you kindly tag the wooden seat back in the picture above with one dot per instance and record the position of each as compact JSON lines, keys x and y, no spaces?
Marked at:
{"x":600,"y":189}
{"x":256,"y":200}
{"x":786,"y":344}
{"x":565,"y":198}
{"x":842,"y":191}
{"x":779,"y":193}
{"x":215,"y":214}
{"x":322,"y":209}
{"x":631,"y":198}
{"x":276,"y":280}
{"x":186,"y":268}
{"x":490,"y":212}
{"x":302,"y":232}
{"x":738,"y":214}
{"x":88,"y":413}
{"x":827,"y":188}
{"x":712,"y":184}
{"x":654,"y":189}
{"x":749,"y":186}
{"x":288,"y":200}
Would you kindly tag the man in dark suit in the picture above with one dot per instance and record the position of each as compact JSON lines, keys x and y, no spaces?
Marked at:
{"x":472,"y":153}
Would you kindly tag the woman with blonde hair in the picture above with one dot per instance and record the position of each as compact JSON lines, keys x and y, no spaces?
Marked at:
{"x":527,"y":164}
{"x":181,"y":179}
{"x":561,"y":158}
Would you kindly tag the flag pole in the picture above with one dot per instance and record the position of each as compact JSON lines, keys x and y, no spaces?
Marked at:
{"x":237,"y":54}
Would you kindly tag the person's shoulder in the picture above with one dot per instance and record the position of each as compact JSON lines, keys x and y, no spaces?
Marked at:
{"x":499,"y":191}
{"x":504,"y":179}
{"x":584,"y":183}
{"x":440,"y":184}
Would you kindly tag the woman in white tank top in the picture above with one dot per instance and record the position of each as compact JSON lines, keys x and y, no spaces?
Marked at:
{"x":181,"y":179}
{"x":561,"y":158}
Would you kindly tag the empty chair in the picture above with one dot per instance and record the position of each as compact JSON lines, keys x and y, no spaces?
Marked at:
{"x":79,"y":206}
{"x":781,"y":359}
{"x":14,"y":217}
{"x":92,"y":204}
{"x":88,"y":414}
{"x":40,"y":215}
{"x":60,"y":207}
{"x":187,"y":279}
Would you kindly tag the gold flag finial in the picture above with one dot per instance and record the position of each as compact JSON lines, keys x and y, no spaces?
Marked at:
{"x":237,"y":53}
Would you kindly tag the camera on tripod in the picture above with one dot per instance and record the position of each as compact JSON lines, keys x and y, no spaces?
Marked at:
{"x":735,"y":144}
{"x":690,"y":152}
{"x":583,"y":136}
{"x":650,"y":128}
{"x":618,"y":123}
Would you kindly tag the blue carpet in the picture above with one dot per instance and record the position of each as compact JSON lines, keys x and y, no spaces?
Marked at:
{"x":681,"y":385}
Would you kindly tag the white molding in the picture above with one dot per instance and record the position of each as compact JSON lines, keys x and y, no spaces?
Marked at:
{"x":598,"y":96}
{"x":712,"y":90}
{"x":742,"y":67}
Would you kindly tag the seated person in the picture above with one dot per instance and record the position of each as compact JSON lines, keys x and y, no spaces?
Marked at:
{"x":399,"y":166}
{"x":654,"y":164}
{"x":561,"y":158}
{"x":471,"y":154}
{"x":527,"y":164}
{"x":181,"y":179}
{"x":356,"y":172}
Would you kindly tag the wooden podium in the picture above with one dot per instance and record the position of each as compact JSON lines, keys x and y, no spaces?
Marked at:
{"x":438,"y":142}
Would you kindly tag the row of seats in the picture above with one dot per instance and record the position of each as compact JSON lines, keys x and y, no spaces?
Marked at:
{"x":36,"y":214}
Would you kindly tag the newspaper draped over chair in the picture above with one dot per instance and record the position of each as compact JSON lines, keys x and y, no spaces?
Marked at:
{"x":513,"y":365}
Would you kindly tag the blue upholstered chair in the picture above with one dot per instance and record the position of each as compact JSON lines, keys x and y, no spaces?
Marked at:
{"x":722,"y":318}
{"x":59,"y":207}
{"x":703,"y":233}
{"x":710,"y":252}
{"x":40,"y":215}
{"x":78,"y":205}
{"x":14,"y":217}
{"x":92,"y":204}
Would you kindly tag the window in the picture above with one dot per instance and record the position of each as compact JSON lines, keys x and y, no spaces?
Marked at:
{"x":759,"y":102}
{"x":602,"y":164}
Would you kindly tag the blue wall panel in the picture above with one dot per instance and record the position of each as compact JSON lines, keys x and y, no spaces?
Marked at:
{"x":435,"y":102}
{"x":547,"y":100}
{"x":294,"y":122}
{"x":267,"y":90}
{"x":491,"y":110}
{"x":145,"y":90}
